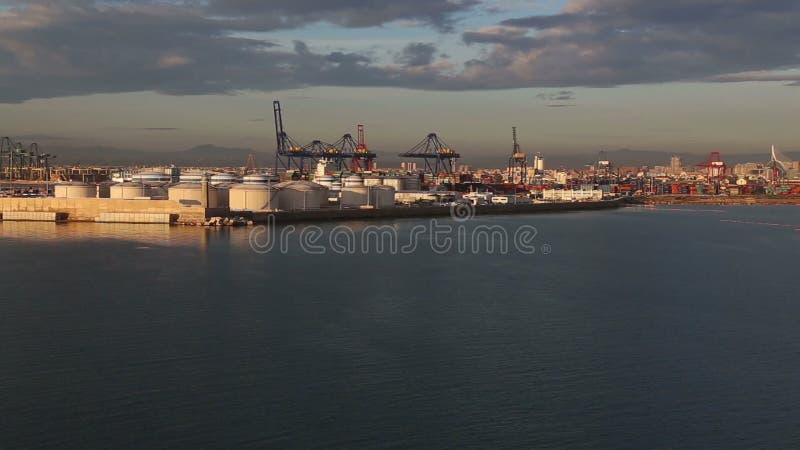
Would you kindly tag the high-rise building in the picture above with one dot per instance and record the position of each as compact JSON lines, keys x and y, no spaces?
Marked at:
{"x":675,"y":164}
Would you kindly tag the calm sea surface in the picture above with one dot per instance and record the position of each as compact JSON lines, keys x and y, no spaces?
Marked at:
{"x":666,"y":328}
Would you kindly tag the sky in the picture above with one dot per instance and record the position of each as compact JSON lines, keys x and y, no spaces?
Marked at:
{"x":574,"y":76}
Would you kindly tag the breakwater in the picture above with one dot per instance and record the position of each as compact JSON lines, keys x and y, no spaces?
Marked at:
{"x":717,"y":200}
{"x":167,"y":211}
{"x":333,"y":214}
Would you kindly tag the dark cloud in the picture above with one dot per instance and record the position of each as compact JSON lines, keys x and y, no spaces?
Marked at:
{"x":274,"y":14}
{"x":184,"y":47}
{"x":556,"y":96}
{"x":417,"y":54}
{"x":78,"y":47}
{"x":613,"y":42}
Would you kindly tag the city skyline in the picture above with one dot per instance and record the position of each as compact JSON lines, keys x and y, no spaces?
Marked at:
{"x":573,"y":76}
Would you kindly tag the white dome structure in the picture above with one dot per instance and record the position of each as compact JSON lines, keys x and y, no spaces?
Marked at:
{"x":325,"y":180}
{"x":151,"y":177}
{"x":256,"y":178}
{"x":191,"y":177}
{"x":222,"y":178}
{"x":353,"y":180}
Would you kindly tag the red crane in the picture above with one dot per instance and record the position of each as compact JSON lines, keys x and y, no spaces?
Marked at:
{"x":362,"y":157}
{"x":715,"y":166}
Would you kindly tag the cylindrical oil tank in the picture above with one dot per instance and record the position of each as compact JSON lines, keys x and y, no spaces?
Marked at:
{"x":395,"y":182}
{"x":325,"y":180}
{"x":381,"y":196}
{"x":222,"y":178}
{"x":255,"y":178}
{"x":410,"y":184}
{"x":158,"y":191}
{"x":191,"y":194}
{"x":104,"y":189}
{"x":354,"y":196}
{"x":191,"y":177}
{"x":151,"y":177}
{"x":223,"y":195}
{"x":130,"y":190}
{"x":75,"y":190}
{"x":353,"y":181}
{"x":373,"y":181}
{"x":302,"y":195}
{"x":253,"y":197}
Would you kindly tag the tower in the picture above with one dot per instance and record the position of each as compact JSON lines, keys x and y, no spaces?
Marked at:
{"x":518,"y":162}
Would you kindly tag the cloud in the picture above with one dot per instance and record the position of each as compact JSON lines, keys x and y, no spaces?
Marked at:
{"x":614,"y":42}
{"x":193,"y":47}
{"x":556,"y":96}
{"x":792,"y":77}
{"x":275,"y":14}
{"x":416,"y":54}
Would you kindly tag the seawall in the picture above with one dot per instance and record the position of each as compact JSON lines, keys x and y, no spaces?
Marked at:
{"x":91,"y":209}
{"x":718,"y":200}
{"x":333,"y":214}
{"x":169,"y":211}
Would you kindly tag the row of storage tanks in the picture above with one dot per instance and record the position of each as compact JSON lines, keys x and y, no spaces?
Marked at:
{"x":255,"y":193}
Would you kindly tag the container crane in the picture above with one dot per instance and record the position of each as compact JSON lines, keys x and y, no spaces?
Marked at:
{"x":363,"y":159}
{"x":518,"y":162}
{"x":438,"y":156}
{"x":289,"y":154}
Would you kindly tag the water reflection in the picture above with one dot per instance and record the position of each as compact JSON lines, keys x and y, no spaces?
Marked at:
{"x":151,"y":234}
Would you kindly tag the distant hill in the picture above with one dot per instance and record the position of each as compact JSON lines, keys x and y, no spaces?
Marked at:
{"x":203,"y":155}
{"x":212,"y":155}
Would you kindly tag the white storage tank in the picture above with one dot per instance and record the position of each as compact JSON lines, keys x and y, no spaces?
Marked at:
{"x":256,"y":178}
{"x":302,"y":195}
{"x":373,"y":181}
{"x":410,"y":184}
{"x":130,"y":190}
{"x":104,"y":189}
{"x":394,"y":182}
{"x":354,"y":196}
{"x":75,"y":190}
{"x":191,"y":177}
{"x":222,"y":178}
{"x":325,"y":180}
{"x":353,"y":181}
{"x":191,"y":194}
{"x":381,"y":196}
{"x":158,"y":192}
{"x":253,"y":197}
{"x":223,"y":195}
{"x":151,"y":177}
